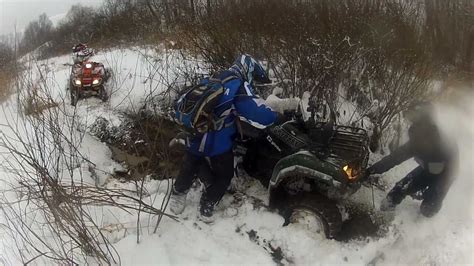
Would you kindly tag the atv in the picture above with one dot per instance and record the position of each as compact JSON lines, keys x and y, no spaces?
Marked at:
{"x":87,"y":79}
{"x":308,"y":168}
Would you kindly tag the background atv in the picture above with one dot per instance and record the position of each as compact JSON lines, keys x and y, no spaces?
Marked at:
{"x":308,"y":168}
{"x":88,"y":79}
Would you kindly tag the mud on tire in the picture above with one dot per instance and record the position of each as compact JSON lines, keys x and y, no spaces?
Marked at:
{"x":324,"y":208}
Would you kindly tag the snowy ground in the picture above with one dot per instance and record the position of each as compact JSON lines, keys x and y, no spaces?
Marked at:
{"x":245,"y":231}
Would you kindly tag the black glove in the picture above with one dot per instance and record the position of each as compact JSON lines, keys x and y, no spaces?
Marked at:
{"x":370,"y":175}
{"x":180,"y":139}
{"x":373,"y":179}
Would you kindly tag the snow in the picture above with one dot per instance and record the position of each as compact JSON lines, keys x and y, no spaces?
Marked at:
{"x":56,"y":19}
{"x":245,"y":230}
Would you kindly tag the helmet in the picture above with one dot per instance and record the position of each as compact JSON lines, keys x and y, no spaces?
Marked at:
{"x":79,"y":47}
{"x":250,"y":69}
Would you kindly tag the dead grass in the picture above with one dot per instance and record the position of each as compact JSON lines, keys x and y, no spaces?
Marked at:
{"x":142,"y":143}
{"x":36,"y":102}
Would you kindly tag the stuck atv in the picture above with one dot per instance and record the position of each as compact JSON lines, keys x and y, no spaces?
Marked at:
{"x":88,"y":79}
{"x":308,"y":167}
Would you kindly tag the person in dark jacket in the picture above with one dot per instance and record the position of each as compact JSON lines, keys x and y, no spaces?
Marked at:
{"x":431,"y":180}
{"x":211,"y":154}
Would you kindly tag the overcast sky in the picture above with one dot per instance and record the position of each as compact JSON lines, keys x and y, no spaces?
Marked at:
{"x":20,"y":12}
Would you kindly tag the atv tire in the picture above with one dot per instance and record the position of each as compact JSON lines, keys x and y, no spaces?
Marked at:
{"x":74,"y":94}
{"x":321,"y":207}
{"x":103,"y":94}
{"x":107,"y":75}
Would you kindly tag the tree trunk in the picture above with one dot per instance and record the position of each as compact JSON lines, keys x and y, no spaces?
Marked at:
{"x":193,"y":14}
{"x":153,"y":13}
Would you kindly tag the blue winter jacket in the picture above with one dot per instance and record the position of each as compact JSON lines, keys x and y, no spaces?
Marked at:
{"x":238,"y":100}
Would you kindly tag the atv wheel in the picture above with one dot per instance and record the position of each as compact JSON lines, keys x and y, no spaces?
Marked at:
{"x":318,"y":214}
{"x":107,"y":75}
{"x":103,"y":94}
{"x":74,"y":93}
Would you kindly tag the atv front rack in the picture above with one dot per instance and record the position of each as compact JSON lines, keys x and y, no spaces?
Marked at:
{"x":350,"y":144}
{"x":345,"y":144}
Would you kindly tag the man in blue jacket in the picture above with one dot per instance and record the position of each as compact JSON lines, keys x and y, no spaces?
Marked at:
{"x":212,"y":152}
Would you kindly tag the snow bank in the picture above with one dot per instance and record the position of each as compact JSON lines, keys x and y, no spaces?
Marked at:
{"x":412,"y":239}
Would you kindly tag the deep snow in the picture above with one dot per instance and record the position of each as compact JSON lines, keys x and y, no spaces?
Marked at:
{"x":245,"y":231}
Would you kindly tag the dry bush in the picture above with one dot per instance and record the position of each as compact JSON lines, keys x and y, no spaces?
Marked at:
{"x":50,"y":219}
{"x":37,"y":101}
{"x":312,"y":46}
{"x":439,"y":29}
{"x":7,"y":55}
{"x":7,"y":70}
{"x":5,"y":85}
{"x":366,"y":52}
{"x":449,"y":33}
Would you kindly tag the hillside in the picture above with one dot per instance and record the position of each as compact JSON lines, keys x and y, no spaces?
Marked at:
{"x":246,"y":231}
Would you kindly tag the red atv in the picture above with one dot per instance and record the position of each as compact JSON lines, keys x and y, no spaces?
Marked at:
{"x":88,"y":79}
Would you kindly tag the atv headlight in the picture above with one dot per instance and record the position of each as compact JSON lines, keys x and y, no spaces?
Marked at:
{"x":95,"y":81}
{"x":88,"y":65}
{"x":350,"y":172}
{"x":77,"y":82}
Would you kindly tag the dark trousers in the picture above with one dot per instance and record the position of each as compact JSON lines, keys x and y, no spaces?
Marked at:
{"x":217,"y":172}
{"x":420,"y":184}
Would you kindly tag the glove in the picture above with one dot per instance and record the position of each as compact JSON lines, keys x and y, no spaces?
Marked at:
{"x":179,"y":140}
{"x":372,"y":172}
{"x":374,"y":180}
{"x":368,"y":172}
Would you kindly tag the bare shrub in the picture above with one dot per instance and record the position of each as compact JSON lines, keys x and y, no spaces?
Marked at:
{"x":7,"y":69}
{"x":5,"y":85}
{"x":50,"y":216}
{"x":449,"y":32}
{"x":7,"y":55}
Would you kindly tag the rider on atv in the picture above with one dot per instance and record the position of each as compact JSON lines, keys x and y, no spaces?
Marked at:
{"x":82,"y":53}
{"x":87,"y":77}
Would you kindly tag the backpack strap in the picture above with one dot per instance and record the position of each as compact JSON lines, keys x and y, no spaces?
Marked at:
{"x":239,"y":127}
{"x":219,"y":79}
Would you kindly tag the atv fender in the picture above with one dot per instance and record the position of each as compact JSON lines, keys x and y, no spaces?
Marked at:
{"x":304,"y":164}
{"x":308,"y":165}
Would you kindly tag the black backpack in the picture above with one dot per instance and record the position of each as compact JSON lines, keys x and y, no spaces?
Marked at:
{"x":195,"y":106}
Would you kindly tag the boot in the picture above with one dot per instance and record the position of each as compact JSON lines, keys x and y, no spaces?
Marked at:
{"x":206,"y":211}
{"x":177,"y":202}
{"x":387,"y":205}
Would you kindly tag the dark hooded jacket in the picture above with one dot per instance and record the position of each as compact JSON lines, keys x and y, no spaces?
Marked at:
{"x":426,"y":145}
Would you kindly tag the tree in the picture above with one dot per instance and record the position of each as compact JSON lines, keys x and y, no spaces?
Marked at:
{"x":6,"y":55}
{"x":37,"y":33}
